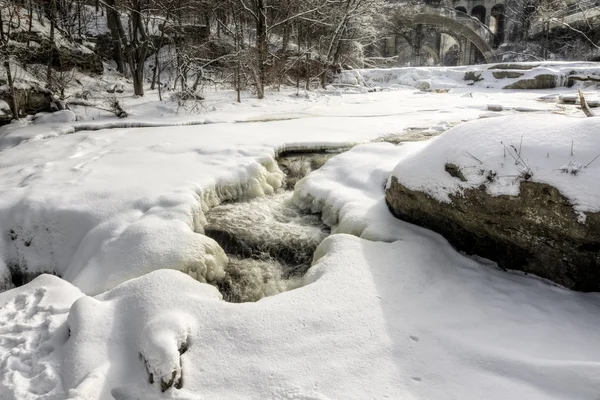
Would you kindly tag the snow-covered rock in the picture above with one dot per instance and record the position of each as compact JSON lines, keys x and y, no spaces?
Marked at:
{"x":521,"y":191}
{"x":63,"y":116}
{"x":539,"y":75}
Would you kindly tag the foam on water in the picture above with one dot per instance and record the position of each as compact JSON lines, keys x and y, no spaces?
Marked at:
{"x":270,"y":243}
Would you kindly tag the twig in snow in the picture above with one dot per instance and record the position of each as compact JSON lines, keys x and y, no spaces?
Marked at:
{"x":572,"y":142}
{"x":595,"y":158}
{"x":473,"y":157}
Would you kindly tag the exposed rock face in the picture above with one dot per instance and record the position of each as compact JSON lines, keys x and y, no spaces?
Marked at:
{"x":31,"y":99}
{"x":536,"y":232}
{"x":515,"y":66}
{"x":507,"y":74}
{"x":543,"y":81}
{"x":65,"y":57}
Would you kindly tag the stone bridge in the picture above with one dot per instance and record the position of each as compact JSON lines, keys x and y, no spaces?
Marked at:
{"x":477,"y":33}
{"x":582,"y":11}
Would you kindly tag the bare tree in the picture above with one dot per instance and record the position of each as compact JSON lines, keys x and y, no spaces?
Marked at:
{"x":9,"y":19}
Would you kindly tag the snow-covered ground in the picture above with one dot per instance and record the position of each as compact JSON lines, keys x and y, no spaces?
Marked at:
{"x":488,"y":76}
{"x":389,"y":311}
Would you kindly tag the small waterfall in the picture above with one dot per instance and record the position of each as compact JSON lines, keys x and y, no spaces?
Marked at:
{"x":270,"y":243}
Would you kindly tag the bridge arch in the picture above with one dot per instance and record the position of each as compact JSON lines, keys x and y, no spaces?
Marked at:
{"x":461,"y":24}
{"x":479,"y":12}
{"x":498,"y":22}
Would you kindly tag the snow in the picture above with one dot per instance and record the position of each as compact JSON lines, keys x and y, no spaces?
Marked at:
{"x":348,"y":190}
{"x":377,"y":313}
{"x":552,"y":149}
{"x":75,"y":210}
{"x":117,"y":210}
{"x":453,"y":77}
{"x":32,"y":328}
{"x":63,"y":116}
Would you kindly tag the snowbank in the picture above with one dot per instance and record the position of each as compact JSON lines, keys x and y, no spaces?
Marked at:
{"x":451,"y":77}
{"x":348,"y":191}
{"x":376,"y":313}
{"x":58,"y":117}
{"x":501,"y":152}
{"x":99,"y":208}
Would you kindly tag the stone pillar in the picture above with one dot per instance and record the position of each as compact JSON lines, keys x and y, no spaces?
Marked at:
{"x":438,"y":45}
{"x":416,"y":46}
{"x":466,"y":48}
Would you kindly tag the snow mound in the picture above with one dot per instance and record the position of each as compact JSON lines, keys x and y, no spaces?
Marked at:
{"x":502,"y":152}
{"x":376,"y":312}
{"x":32,"y":329}
{"x":155,"y":335}
{"x":349,"y":192}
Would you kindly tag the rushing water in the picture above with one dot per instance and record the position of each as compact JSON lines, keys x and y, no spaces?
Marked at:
{"x":270,"y":243}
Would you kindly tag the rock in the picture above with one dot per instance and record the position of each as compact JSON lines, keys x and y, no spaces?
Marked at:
{"x":31,"y":99}
{"x":5,"y":114}
{"x":495,"y":107}
{"x":455,"y":171}
{"x":66,"y":57}
{"x":536,"y":232}
{"x":473,"y":76}
{"x":515,"y":66}
{"x":568,"y":99}
{"x":507,"y":74}
{"x":423,"y":85}
{"x":542,"y":81}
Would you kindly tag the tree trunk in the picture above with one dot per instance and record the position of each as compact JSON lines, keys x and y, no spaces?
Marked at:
{"x":30,"y":27}
{"x":51,"y":54}
{"x":156,"y":60}
{"x":261,"y":47}
{"x":113,"y":20}
{"x":14,"y":108}
{"x":137,"y":50}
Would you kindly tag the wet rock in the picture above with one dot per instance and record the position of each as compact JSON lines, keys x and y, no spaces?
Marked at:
{"x":296,"y":165}
{"x":542,"y":81}
{"x":507,"y":74}
{"x":536,"y":232}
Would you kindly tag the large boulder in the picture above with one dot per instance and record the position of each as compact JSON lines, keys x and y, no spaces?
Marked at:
{"x":542,"y":81}
{"x":31,"y":98}
{"x":511,"y":190}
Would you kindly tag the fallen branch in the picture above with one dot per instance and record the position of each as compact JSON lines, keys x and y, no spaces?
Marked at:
{"x":584,"y":106}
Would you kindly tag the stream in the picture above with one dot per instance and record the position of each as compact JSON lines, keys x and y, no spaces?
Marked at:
{"x":269,"y":241}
